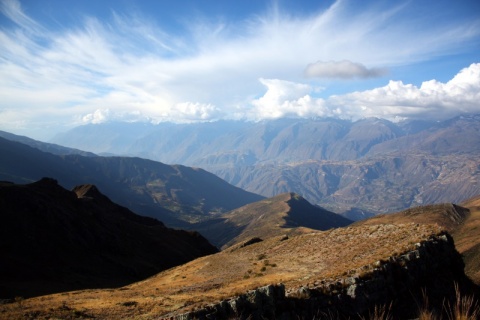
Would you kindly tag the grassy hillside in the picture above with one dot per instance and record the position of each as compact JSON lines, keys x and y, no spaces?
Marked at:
{"x":463,"y":222}
{"x":302,"y":260}
{"x":467,"y":239}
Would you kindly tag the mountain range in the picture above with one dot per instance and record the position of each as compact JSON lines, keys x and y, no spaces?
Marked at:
{"x":356,"y":168}
{"x":180,"y":196}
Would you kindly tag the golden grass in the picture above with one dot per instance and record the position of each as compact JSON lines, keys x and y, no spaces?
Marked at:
{"x":299,"y":261}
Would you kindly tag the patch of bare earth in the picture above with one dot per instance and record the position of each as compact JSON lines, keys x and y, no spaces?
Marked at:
{"x":298,"y":261}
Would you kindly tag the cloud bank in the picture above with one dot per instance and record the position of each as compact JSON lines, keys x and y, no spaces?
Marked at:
{"x":395,"y":101}
{"x":130,"y":68}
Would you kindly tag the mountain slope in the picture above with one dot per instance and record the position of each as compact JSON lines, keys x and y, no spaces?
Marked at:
{"x":285,"y":214}
{"x":170,"y":193}
{"x":43,"y":146}
{"x":55,"y":240}
{"x":467,"y":240}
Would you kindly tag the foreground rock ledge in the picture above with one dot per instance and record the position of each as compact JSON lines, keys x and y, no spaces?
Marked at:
{"x":433,"y":266}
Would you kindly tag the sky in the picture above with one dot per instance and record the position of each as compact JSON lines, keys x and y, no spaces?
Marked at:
{"x":69,"y":63}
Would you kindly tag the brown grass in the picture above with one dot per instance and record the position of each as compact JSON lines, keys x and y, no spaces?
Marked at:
{"x":464,"y":307}
{"x":380,"y":313}
{"x":299,"y":261}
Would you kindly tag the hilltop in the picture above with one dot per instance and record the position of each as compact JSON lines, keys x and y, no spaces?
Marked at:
{"x":286,"y":214}
{"x":56,"y":240}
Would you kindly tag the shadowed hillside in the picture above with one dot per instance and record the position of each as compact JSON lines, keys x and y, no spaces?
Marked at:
{"x":177,"y":195}
{"x":56,"y":240}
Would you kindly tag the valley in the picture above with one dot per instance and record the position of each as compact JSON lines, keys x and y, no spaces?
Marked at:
{"x":358,"y":169}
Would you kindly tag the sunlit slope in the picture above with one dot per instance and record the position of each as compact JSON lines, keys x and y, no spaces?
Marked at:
{"x":296,"y":261}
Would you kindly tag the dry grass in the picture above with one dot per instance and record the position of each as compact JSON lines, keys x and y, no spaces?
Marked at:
{"x":463,"y":225}
{"x":299,"y":261}
{"x":464,"y":307}
{"x":446,"y":215}
{"x":380,"y":313}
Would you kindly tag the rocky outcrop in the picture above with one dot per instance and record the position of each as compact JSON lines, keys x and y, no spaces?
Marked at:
{"x":433,"y":267}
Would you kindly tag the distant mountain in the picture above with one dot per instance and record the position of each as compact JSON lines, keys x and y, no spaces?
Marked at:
{"x":285,"y":214}
{"x":357,"y":168}
{"x":43,"y":146}
{"x":56,"y":240}
{"x":381,"y":184}
{"x":173,"y":194}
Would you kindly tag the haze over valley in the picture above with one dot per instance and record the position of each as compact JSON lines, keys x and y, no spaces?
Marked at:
{"x":356,"y":168}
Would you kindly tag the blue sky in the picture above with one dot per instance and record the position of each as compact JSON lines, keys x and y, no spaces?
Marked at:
{"x":68,"y":63}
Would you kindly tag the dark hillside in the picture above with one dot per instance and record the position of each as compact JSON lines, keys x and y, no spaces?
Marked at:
{"x":56,"y":240}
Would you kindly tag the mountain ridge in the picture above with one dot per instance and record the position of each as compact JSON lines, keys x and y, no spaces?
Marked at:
{"x":173,"y":194}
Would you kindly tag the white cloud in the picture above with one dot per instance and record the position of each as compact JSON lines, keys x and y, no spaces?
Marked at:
{"x":99,"y":116}
{"x":433,"y":99}
{"x":189,"y":111}
{"x":396,"y":100}
{"x":285,"y":98}
{"x":341,"y":70}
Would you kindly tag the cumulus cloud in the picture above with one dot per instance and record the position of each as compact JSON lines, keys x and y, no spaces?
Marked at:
{"x":99,"y":116}
{"x":341,"y":70}
{"x":433,"y":99}
{"x":286,"y":99}
{"x":396,"y":100}
{"x":190,"y":111}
